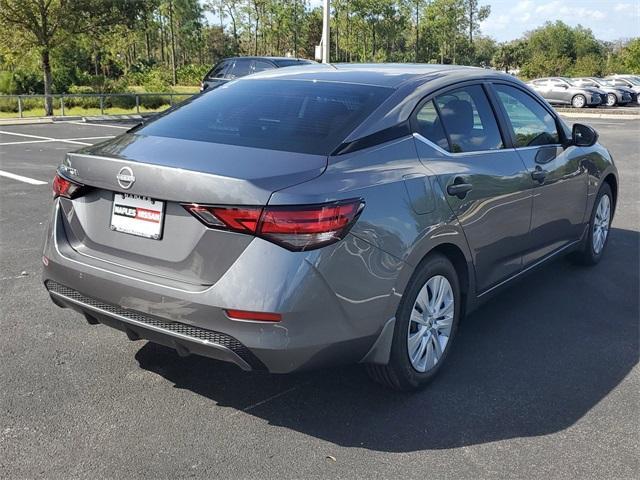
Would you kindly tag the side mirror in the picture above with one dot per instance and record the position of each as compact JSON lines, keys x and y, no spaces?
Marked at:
{"x":583,"y":135}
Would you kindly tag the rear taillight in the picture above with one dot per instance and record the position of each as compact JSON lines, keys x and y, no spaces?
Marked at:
{"x":63,"y":187}
{"x":294,"y":227}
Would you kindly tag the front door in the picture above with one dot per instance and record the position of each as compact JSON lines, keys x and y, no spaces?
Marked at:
{"x":556,"y":172}
{"x":486,"y":185}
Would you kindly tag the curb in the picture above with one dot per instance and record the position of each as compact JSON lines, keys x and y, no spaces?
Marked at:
{"x":610,"y":116}
{"x":74,"y":118}
{"x":25,"y":121}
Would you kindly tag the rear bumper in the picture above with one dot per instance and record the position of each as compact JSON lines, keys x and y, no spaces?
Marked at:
{"x":185,"y":339}
{"x":323,"y":320}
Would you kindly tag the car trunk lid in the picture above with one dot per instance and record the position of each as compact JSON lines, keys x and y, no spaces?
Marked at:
{"x":175,"y":172}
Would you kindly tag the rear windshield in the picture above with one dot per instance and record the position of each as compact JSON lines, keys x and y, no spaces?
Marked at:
{"x":292,"y":115}
{"x":286,"y":62}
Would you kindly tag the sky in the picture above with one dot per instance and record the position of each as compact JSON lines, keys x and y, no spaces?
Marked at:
{"x":510,"y":19}
{"x":608,"y":19}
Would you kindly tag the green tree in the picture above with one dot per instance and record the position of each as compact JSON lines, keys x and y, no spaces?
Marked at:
{"x":46,"y":24}
{"x":558,"y":49}
{"x":630,"y":56}
{"x":506,"y":56}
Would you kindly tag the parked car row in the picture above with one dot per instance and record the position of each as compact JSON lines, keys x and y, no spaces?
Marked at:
{"x":581,"y":92}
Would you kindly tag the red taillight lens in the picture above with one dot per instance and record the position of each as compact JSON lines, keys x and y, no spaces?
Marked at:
{"x":301,"y":228}
{"x":239,"y":219}
{"x":293,"y":227}
{"x":257,"y":316}
{"x":63,"y":187}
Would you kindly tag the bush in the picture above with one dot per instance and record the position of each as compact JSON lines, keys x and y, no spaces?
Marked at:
{"x":153,"y":102}
{"x":20,"y":82}
{"x":157,"y":80}
{"x":192,"y":74}
{"x":8,"y":85}
{"x":9,"y":105}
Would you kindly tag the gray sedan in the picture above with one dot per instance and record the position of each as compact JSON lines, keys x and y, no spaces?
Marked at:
{"x":628,"y":81}
{"x":563,"y":91}
{"x":326,"y":214}
{"x":616,"y":95}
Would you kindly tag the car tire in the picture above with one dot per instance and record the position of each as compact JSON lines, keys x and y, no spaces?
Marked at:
{"x":597,"y":237}
{"x":579,"y":101}
{"x":439,"y":324}
{"x":612,"y":100}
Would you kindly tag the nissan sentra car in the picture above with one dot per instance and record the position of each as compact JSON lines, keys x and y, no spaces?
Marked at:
{"x":564,"y":91}
{"x":324,"y":215}
{"x":616,"y":95}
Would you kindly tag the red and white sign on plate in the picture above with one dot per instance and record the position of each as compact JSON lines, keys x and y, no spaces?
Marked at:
{"x":137,"y":215}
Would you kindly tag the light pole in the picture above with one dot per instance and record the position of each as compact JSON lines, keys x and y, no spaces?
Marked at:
{"x":325,"y":43}
{"x":322,"y":50}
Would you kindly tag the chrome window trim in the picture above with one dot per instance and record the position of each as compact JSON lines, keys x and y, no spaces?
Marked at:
{"x":531,"y":147}
{"x":425,"y":140}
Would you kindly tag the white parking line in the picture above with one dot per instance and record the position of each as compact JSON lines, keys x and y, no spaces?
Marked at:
{"x":26,"y":142}
{"x":97,"y":124}
{"x":38,"y":137}
{"x":20,"y":178}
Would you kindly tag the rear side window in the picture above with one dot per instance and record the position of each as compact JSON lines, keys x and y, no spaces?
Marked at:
{"x":532,"y":124}
{"x":218,"y":71}
{"x":467,"y":120}
{"x":430,"y":126}
{"x":291,"y":115}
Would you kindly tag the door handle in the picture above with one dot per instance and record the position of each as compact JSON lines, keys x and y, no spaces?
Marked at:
{"x":539,"y":175}
{"x":459,"y":188}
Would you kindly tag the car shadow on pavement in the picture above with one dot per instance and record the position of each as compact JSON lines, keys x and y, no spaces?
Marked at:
{"x":532,"y":361}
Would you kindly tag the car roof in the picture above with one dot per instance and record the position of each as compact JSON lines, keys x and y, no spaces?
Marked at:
{"x":253,"y":57}
{"x":375,"y":74}
{"x":409,"y":82}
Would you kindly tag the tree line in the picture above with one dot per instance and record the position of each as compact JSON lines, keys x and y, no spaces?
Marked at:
{"x":50,"y":46}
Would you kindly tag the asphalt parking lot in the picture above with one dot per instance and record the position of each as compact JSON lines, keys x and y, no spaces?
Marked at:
{"x":543,"y":381}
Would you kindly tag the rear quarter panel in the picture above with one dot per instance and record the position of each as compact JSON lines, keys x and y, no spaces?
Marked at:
{"x":397,"y":228}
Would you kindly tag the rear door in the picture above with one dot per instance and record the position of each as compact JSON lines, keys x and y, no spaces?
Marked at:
{"x":486,"y":185}
{"x":556,"y":172}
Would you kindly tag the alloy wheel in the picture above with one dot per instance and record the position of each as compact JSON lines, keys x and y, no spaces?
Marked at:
{"x":430,"y":323}
{"x":579,"y":101}
{"x":611,"y":100}
{"x":601,"y":224}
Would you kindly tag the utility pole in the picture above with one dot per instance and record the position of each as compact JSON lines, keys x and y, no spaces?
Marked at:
{"x":325,"y":42}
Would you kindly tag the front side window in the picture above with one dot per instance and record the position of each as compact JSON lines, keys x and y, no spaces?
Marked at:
{"x":532,"y":124}
{"x":291,"y":115}
{"x":468,"y":120}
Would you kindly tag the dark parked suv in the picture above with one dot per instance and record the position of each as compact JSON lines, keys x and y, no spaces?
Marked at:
{"x":236,"y":67}
{"x":326,"y":214}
